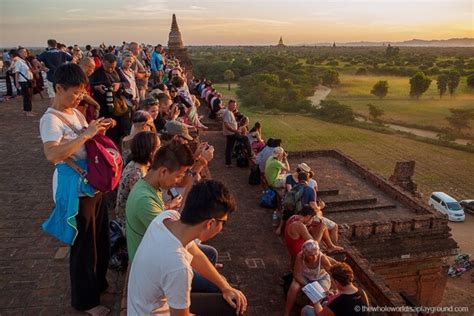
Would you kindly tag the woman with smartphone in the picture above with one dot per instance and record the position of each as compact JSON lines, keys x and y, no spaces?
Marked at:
{"x":64,"y":132}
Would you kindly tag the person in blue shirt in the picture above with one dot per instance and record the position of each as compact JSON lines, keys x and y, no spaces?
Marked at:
{"x":157,"y":63}
{"x":52,"y":58}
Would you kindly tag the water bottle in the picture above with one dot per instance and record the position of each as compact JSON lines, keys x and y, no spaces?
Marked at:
{"x":275,"y":221}
{"x":109,"y":99}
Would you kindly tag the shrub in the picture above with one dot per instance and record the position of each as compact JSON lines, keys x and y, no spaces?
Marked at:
{"x":334,"y":111}
{"x":419,"y":83}
{"x":380,"y":89}
{"x":361,"y":72}
{"x":375,"y":112}
{"x":330,"y":78}
{"x":470,"y":81}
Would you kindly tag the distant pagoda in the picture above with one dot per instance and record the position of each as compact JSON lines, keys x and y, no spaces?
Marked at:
{"x":280,"y":42}
{"x":176,"y":47}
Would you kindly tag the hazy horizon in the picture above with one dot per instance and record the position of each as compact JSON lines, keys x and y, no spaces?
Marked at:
{"x":231,"y":22}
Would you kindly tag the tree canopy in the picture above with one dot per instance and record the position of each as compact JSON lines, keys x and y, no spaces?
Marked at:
{"x":419,"y":83}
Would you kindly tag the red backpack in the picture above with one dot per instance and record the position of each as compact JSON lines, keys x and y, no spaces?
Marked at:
{"x":104,"y":161}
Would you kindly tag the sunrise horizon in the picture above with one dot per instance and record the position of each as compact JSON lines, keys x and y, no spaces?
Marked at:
{"x":208,"y":23}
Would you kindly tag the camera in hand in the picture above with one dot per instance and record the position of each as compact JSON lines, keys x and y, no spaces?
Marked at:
{"x":109,"y":99}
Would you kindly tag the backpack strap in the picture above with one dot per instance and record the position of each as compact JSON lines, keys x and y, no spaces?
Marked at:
{"x":70,"y":162}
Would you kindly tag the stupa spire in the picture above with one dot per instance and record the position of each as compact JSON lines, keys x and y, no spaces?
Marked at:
{"x":175,"y":40}
{"x":174,"y":24}
{"x":280,"y":42}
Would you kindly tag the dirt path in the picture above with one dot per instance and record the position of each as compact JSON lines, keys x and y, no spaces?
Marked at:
{"x":415,"y":131}
{"x":459,"y":291}
{"x":320,"y":94}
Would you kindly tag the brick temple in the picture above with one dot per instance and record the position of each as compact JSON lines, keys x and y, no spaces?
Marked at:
{"x":396,"y":244}
{"x":176,"y":47}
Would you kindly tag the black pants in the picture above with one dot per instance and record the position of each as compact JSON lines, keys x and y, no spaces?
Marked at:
{"x":210,"y":304}
{"x":229,"y":146}
{"x":9,"y":81}
{"x":90,"y":253}
{"x":27,"y":93}
{"x":121,"y":129}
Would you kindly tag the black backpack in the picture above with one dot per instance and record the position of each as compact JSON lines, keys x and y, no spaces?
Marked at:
{"x":254,"y":176}
{"x":118,"y":246}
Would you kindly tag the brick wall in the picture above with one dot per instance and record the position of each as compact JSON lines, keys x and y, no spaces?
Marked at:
{"x":425,"y":279}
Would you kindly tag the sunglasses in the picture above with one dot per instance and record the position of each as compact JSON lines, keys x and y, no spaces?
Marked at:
{"x":223,"y":221}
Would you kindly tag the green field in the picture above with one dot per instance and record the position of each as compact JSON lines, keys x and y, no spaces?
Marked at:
{"x":429,"y":110}
{"x":438,"y":168}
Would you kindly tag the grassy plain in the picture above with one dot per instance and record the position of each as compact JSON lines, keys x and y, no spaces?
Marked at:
{"x":438,"y":168}
{"x":429,"y":110}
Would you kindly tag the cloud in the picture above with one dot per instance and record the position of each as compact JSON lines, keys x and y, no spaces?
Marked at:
{"x":73,"y":10}
{"x":197,"y":8}
{"x":264,"y":21}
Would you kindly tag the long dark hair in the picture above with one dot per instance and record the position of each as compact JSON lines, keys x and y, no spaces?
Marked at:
{"x":143,"y":146}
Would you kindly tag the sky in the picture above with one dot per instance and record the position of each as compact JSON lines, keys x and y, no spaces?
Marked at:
{"x":232,"y":22}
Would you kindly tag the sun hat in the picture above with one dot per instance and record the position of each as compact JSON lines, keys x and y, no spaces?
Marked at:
{"x":177,"y":128}
{"x":304,"y":167}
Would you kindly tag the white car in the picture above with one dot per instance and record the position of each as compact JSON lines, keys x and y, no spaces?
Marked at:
{"x":445,"y":204}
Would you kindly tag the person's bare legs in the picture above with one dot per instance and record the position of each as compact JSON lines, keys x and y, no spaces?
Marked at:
{"x":331,"y":247}
{"x":279,"y":229}
{"x":334,"y":233}
{"x":317,"y":231}
{"x":293,"y":291}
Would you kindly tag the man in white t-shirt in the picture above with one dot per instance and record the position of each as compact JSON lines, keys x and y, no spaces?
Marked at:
{"x":230,"y":129}
{"x":162,"y":270}
{"x":24,"y":80}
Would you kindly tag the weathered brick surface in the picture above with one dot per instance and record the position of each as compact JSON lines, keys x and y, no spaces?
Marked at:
{"x":408,"y":235}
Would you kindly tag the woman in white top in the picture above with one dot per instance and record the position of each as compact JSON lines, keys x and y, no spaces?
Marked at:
{"x":90,"y":244}
{"x":310,"y":265}
{"x":128,"y":76}
{"x":24,"y":80}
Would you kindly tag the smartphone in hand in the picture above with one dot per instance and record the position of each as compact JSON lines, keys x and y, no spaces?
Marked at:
{"x":173,"y":193}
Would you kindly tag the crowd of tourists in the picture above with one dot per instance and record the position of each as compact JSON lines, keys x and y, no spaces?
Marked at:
{"x":310,"y":237}
{"x":123,"y":123}
{"x":125,"y":120}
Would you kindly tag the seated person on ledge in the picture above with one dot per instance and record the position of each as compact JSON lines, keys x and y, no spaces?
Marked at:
{"x":331,"y":231}
{"x":310,"y":265}
{"x":349,"y":301}
{"x":276,"y":167}
{"x":162,"y":270}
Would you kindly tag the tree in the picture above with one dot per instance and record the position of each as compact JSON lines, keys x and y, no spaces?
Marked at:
{"x":380,"y":89}
{"x":442,"y":84}
{"x":391,"y":51}
{"x":229,"y":76}
{"x":470,"y":81}
{"x":333,"y":111}
{"x":361,"y":72}
{"x":460,"y":118}
{"x":375,"y":112}
{"x":330,"y":78}
{"x":453,"y":81}
{"x":419,"y":83}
